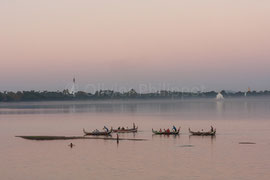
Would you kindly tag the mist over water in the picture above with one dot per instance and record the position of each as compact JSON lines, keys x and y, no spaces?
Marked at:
{"x":173,"y":157}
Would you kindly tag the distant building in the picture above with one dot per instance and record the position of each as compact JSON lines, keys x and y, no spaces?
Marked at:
{"x":219,"y":96}
{"x":246,"y":93}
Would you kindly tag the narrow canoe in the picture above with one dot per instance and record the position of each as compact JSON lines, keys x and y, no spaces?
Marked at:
{"x":100,"y":133}
{"x":132,"y":130}
{"x":201,"y":133}
{"x":166,"y":133}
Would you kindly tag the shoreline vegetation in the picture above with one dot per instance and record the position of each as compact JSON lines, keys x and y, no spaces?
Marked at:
{"x":20,"y":96}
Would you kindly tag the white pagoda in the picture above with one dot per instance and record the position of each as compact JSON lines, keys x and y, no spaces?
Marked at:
{"x":219,"y":96}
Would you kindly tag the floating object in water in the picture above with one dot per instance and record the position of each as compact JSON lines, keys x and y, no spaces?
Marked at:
{"x":97,"y":133}
{"x":71,"y":145}
{"x":187,"y":145}
{"x":166,"y":132}
{"x":122,"y":130}
{"x":247,"y":143}
{"x":201,"y":133}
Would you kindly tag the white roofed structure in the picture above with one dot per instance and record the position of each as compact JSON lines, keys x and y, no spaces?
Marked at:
{"x":219,"y":96}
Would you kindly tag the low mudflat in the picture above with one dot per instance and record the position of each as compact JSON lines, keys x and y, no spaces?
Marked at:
{"x":47,"y":138}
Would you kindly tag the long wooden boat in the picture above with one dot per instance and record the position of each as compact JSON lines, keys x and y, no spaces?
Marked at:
{"x":131,"y":130}
{"x":97,"y":133}
{"x":201,"y":133}
{"x":166,"y":133}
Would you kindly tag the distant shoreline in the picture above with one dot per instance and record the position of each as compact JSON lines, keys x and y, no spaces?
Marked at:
{"x":36,"y":96}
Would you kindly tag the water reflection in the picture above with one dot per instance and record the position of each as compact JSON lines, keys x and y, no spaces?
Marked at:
{"x":184,"y":156}
{"x":165,"y":136}
{"x":219,"y":107}
{"x":243,"y":108}
{"x":193,"y":137}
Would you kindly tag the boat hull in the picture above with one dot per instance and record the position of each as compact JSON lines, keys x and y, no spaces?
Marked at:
{"x":166,"y":133}
{"x":97,"y":133}
{"x":199,"y":133}
{"x":125,"y":130}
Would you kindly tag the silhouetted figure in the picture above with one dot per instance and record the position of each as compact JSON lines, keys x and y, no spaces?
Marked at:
{"x":106,"y":129}
{"x":117,"y":138}
{"x":71,"y":145}
{"x":212,"y":129}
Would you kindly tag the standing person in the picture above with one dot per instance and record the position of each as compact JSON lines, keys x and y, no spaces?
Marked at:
{"x":174,"y":128}
{"x":133,"y":125}
{"x":107,"y":130}
{"x":212,"y":129}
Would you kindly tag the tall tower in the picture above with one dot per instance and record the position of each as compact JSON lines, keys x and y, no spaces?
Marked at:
{"x":73,"y":87}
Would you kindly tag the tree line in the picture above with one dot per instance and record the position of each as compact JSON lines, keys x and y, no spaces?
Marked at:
{"x":9,"y":96}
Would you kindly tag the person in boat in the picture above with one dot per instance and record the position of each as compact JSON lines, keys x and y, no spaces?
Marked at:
{"x":168,"y":130}
{"x":160,"y":130}
{"x":212,"y":129}
{"x":123,"y":128}
{"x":106,"y":129}
{"x":134,"y":126}
{"x":174,"y":128}
{"x":119,"y":128}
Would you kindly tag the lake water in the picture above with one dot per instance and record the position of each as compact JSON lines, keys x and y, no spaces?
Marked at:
{"x":160,"y":157}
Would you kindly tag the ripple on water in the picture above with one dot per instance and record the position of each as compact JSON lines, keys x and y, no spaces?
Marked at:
{"x":186,"y":145}
{"x":247,"y":143}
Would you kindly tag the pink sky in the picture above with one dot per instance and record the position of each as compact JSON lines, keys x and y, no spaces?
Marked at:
{"x":222,"y":44}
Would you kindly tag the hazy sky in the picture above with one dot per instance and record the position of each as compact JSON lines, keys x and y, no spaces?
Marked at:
{"x":114,"y":44}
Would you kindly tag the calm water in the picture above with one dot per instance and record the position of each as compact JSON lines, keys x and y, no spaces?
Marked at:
{"x":181,"y":157}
